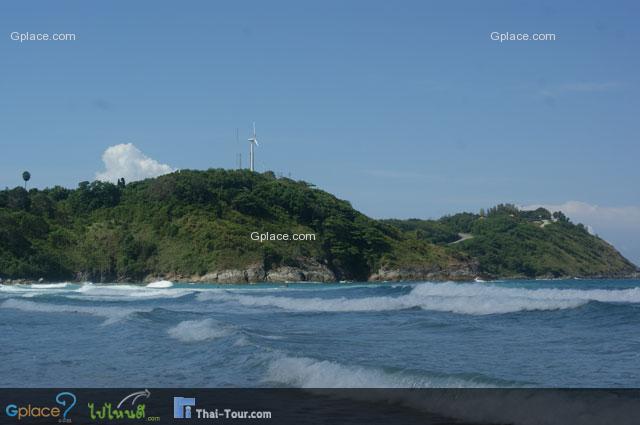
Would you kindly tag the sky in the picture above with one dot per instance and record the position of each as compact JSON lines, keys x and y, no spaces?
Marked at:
{"x":406,"y":109}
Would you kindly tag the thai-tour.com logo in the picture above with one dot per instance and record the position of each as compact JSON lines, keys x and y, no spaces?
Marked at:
{"x":64,"y":402}
{"x":131,"y":407}
{"x":182,"y":407}
{"x":185,"y":408}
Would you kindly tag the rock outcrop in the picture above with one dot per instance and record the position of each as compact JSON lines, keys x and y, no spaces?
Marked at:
{"x":457,"y":271}
{"x":308,"y":270}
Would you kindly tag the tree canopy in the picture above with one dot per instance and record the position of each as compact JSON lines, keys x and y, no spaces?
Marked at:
{"x":195,"y":222}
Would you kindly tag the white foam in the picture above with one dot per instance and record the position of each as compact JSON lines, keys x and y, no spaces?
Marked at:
{"x":476,"y":299}
{"x":35,"y":290}
{"x":198,"y":330}
{"x":35,"y":287}
{"x":242,"y":341}
{"x":126,"y":292}
{"x":49,"y":285}
{"x":631,"y":295}
{"x":304,"y":372}
{"x":14,"y":288}
{"x":111,"y":314}
{"x":160,"y":284}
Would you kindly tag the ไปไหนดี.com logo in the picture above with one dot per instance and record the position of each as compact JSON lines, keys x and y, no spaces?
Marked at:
{"x":65,"y":399}
{"x":128,"y":409}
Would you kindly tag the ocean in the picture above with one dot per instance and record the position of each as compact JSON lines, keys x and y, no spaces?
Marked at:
{"x":563,"y":333}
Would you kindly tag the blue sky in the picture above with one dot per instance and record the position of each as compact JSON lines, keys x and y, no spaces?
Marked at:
{"x":407,"y":109}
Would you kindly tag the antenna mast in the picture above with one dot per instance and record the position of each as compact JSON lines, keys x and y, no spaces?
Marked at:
{"x":239,"y":153}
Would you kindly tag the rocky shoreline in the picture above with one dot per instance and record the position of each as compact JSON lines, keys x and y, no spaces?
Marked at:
{"x":318,"y":273}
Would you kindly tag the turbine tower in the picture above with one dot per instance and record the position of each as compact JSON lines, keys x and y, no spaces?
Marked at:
{"x":252,"y":141}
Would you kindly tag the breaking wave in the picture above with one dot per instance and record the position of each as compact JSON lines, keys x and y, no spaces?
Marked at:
{"x":97,"y":292}
{"x":160,"y":284}
{"x":111,"y":314}
{"x":305,"y":372}
{"x":503,"y":404}
{"x":475,"y":299}
{"x":127,"y":292}
{"x":198,"y":330}
{"x":32,"y":286}
{"x":49,"y":285}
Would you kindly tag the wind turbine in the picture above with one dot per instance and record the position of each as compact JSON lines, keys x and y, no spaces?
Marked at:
{"x":252,"y":141}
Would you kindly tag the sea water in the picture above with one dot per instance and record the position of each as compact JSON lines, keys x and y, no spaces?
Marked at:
{"x":572,"y":333}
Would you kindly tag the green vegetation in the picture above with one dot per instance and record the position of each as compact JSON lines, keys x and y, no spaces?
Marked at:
{"x":191,"y":223}
{"x":508,"y":242}
{"x":26,"y":176}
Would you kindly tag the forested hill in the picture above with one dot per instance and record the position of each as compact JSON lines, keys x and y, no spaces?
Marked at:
{"x":197,"y":226}
{"x":508,"y":242}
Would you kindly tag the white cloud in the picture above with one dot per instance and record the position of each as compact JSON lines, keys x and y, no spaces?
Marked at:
{"x":126,"y":160}
{"x":618,"y":225}
{"x":588,"y":214}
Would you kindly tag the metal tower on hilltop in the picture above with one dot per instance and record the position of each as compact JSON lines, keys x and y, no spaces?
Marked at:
{"x":253,"y":141}
{"x":239,"y":156}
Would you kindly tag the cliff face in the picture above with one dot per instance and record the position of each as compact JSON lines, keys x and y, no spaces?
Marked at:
{"x":200,"y":226}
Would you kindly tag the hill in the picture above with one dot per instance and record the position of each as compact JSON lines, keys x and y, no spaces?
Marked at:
{"x":201,"y":226}
{"x":197,"y":225}
{"x":508,"y":242}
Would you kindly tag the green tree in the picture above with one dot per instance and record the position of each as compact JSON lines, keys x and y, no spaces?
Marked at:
{"x":26,"y":176}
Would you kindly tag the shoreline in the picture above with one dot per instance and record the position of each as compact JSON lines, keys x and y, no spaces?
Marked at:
{"x":184,"y":280}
